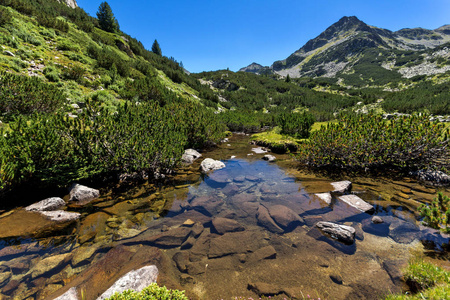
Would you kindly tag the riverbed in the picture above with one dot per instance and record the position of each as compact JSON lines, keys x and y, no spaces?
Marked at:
{"x":206,"y":235}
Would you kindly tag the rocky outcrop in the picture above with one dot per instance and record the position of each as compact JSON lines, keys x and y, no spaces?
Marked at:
{"x":189,"y":156}
{"x":70,"y":3}
{"x":209,"y":164}
{"x":135,"y":280}
{"x":48,"y":204}
{"x":269,"y":158}
{"x":343,"y":233}
{"x":342,"y":186}
{"x":82,"y":195}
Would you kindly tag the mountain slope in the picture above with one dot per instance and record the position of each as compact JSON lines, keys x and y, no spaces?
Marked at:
{"x":343,"y":46}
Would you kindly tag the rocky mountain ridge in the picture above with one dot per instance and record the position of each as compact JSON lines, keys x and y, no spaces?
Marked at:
{"x":70,"y":3}
{"x":344,"y":45}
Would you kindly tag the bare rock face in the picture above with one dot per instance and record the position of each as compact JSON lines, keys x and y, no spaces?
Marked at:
{"x":70,"y":3}
{"x":343,"y":233}
{"x":82,"y":194}
{"x":209,"y":164}
{"x":135,"y":280}
{"x":48,"y":204}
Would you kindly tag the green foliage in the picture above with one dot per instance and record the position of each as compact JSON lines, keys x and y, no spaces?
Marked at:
{"x":152,"y":292}
{"x":5,"y":16}
{"x":437,"y":214}
{"x":425,"y":97}
{"x":156,"y":48}
{"x":106,"y":18}
{"x":245,"y":121}
{"x":295,"y":124}
{"x":27,"y":95}
{"x":368,"y":142}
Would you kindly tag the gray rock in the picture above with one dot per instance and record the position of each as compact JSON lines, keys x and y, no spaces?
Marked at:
{"x":82,"y":194}
{"x":135,"y":280}
{"x":377,"y":220}
{"x":269,"y":158}
{"x":189,"y":156}
{"x":223,"y":225}
{"x":209,"y":164}
{"x":343,"y":233}
{"x":403,"y":232}
{"x":71,"y":294}
{"x":267,"y":252}
{"x":48,"y":204}
{"x":356,"y":202}
{"x":259,"y":150}
{"x":61,"y":216}
{"x":342,"y":186}
{"x":9,"y":53}
{"x":326,"y":197}
{"x":285,"y":217}
{"x":437,"y":178}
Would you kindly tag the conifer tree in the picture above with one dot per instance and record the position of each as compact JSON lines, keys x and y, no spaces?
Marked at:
{"x":288,"y":78}
{"x":156,"y":49}
{"x":106,"y":18}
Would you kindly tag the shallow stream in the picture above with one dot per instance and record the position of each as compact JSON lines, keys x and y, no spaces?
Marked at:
{"x":207,"y":235}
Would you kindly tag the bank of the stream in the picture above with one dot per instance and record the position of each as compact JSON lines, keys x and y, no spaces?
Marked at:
{"x":247,"y":230}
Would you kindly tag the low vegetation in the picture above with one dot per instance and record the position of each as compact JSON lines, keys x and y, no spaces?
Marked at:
{"x":152,"y":292}
{"x":437,"y":214}
{"x":367,"y":142}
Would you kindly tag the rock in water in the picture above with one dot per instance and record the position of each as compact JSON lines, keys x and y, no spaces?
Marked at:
{"x":82,"y":194}
{"x":48,"y":204}
{"x":223,"y":225}
{"x":189,"y":156}
{"x":342,"y":186}
{"x":343,"y":233}
{"x":285,"y":217}
{"x":326,"y":197}
{"x":357,"y":203}
{"x":61,"y":216}
{"x":269,"y":158}
{"x":209,"y":164}
{"x":71,"y":294}
{"x":265,"y":220}
{"x":135,"y":280}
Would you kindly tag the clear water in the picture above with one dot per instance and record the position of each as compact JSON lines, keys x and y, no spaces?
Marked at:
{"x":250,"y":262}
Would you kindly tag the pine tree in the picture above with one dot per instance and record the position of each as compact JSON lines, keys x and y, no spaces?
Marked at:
{"x":156,"y":49}
{"x":106,"y":18}
{"x":288,"y":78}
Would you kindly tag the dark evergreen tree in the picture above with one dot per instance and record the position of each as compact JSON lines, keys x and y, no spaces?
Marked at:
{"x":106,"y":18}
{"x":288,"y":78}
{"x":156,"y":49}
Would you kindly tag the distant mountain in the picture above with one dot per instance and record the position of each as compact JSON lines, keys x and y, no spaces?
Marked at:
{"x":349,"y":42}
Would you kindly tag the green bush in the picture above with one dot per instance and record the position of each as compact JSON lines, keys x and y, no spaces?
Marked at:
{"x":368,"y":142}
{"x":295,"y":124}
{"x":437,"y":214}
{"x":152,"y":292}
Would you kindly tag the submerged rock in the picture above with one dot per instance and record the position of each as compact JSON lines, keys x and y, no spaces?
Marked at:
{"x":48,"y":264}
{"x":48,"y":204}
{"x":343,"y":233}
{"x":285,"y":217}
{"x":209,"y":164}
{"x":82,"y":194}
{"x":265,"y":220}
{"x":71,"y":294}
{"x":189,"y":156}
{"x":224,"y":225}
{"x":135,"y":280}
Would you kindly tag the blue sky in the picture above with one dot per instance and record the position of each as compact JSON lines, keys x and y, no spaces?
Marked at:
{"x":210,"y":35}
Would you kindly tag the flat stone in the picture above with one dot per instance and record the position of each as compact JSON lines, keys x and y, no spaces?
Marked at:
{"x":342,"y":186}
{"x":169,"y":239}
{"x":48,"y":264}
{"x":252,"y":178}
{"x":265,"y":220}
{"x":239,"y":179}
{"x":403,"y":232}
{"x":71,"y":294}
{"x":267,"y":252}
{"x":181,"y":259}
{"x":209,"y":164}
{"x":48,"y":204}
{"x":196,"y":268}
{"x":343,"y":233}
{"x":82,"y":194}
{"x":188,"y":223}
{"x":259,"y":150}
{"x":357,"y":203}
{"x":10,"y":287}
{"x":219,"y":179}
{"x":135,"y":280}
{"x":235,"y":243}
{"x":83,"y":255}
{"x":265,"y":289}
{"x":223,"y":225}
{"x":208,"y":205}
{"x":4,"y":276}
{"x":61,"y":216}
{"x":230,"y":190}
{"x":326,"y":197}
{"x":285,"y":217}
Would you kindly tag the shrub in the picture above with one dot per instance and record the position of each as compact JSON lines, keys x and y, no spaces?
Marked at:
{"x":152,"y":292}
{"x":368,"y":142}
{"x":437,"y":214}
{"x":295,"y":124}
